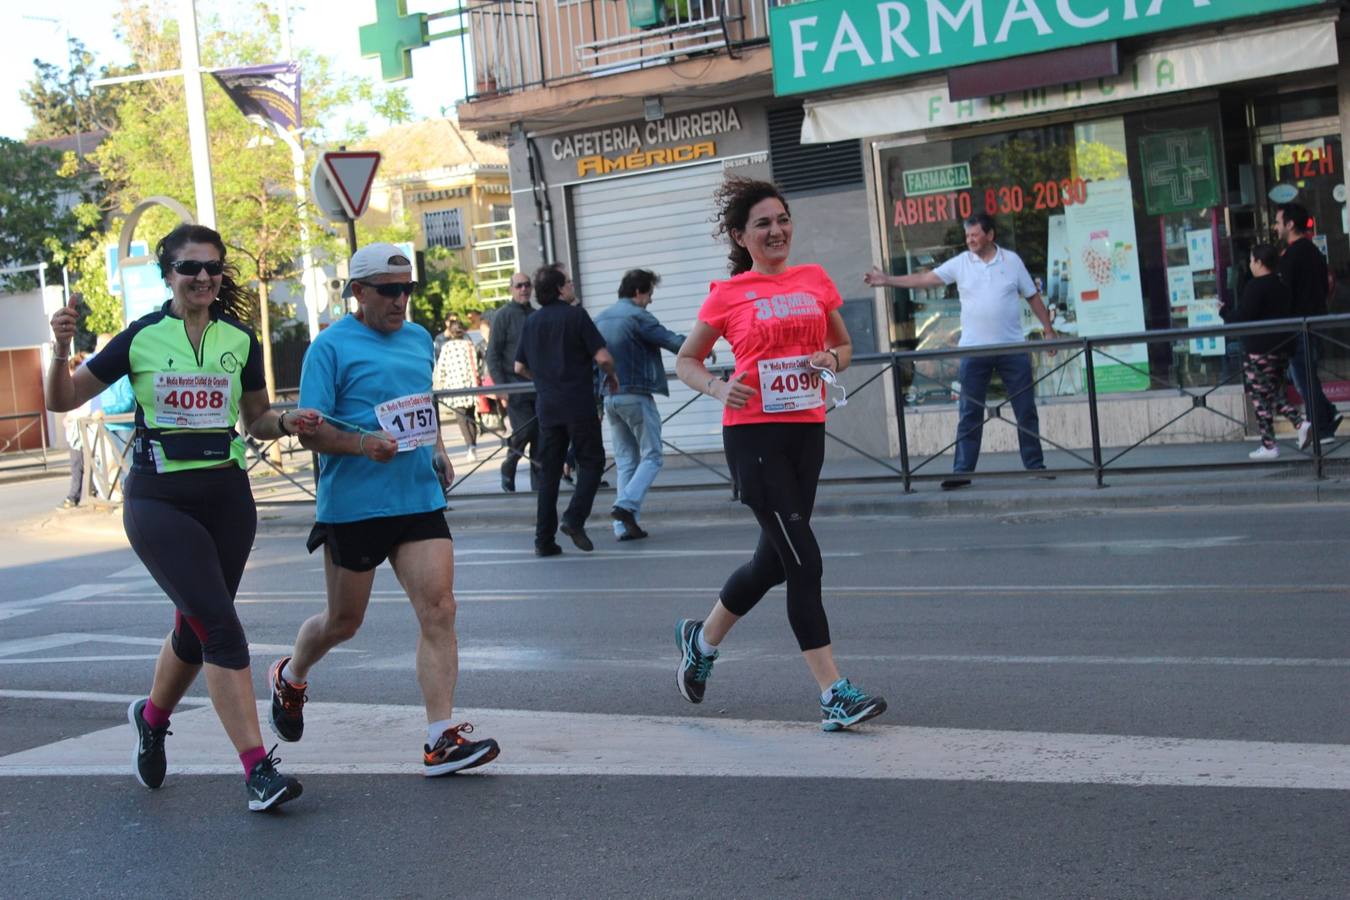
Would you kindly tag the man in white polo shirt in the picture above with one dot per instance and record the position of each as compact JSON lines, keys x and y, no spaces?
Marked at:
{"x":991,"y":281}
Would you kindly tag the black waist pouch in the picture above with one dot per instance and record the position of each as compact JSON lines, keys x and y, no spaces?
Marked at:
{"x":182,"y":446}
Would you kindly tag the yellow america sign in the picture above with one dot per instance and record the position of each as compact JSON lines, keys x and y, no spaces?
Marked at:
{"x":644,"y":159}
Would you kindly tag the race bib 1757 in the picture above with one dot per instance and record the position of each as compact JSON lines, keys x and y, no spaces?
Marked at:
{"x":411,"y":420}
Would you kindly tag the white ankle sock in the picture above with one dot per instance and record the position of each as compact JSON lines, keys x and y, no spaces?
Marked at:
{"x":436,"y":729}
{"x":287,"y":674}
{"x":704,"y":647}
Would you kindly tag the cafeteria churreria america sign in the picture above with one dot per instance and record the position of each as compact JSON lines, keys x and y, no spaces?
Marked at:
{"x":824,"y":44}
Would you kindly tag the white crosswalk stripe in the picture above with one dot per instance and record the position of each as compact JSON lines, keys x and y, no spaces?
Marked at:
{"x":348,"y":738}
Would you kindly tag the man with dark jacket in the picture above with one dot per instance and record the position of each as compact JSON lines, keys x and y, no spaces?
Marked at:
{"x":1303,"y":270}
{"x":558,"y":348}
{"x":507,"y":325}
{"x":636,"y":339}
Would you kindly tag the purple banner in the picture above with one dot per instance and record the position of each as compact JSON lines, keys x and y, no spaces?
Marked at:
{"x":267,"y":94}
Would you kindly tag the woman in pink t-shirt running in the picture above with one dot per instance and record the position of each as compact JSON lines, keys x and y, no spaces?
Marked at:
{"x":788,"y":338}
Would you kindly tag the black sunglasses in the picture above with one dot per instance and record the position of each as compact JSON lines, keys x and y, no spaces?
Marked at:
{"x":394,"y":289}
{"x":193,"y":267}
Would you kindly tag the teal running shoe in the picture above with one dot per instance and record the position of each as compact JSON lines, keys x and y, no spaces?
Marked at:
{"x":848,"y":706}
{"x":695,"y":666}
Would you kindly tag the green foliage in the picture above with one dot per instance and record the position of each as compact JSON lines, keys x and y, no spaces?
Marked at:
{"x":146,"y":152}
{"x":31,"y":185}
{"x":62,"y":100}
{"x":446,"y":289}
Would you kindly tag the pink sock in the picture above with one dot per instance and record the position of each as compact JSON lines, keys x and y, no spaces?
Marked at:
{"x":251,"y":758}
{"x":153,"y":715}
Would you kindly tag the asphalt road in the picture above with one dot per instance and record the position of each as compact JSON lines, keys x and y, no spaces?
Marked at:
{"x":1110,"y":704}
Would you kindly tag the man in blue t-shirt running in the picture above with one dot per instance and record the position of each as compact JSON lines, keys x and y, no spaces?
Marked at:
{"x":380,"y":497}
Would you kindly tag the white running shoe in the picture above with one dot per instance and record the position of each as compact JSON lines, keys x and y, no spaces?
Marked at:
{"x":1304,"y":435}
{"x":471,"y":455}
{"x":1265,"y":453}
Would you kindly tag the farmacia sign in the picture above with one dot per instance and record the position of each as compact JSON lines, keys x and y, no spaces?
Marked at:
{"x":831,"y":43}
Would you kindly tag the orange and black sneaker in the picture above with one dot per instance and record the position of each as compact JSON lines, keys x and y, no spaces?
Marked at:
{"x":288,"y":703}
{"x":454,"y":752}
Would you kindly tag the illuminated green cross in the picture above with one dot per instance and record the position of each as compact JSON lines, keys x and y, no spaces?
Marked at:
{"x":394,"y":35}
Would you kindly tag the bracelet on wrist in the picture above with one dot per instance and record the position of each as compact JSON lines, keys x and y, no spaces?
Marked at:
{"x":361,"y":445}
{"x":281,"y":425}
{"x":835,"y":354}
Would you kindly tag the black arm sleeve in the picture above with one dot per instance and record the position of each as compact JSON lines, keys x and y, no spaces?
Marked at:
{"x":252,"y":378}
{"x":114,"y":360}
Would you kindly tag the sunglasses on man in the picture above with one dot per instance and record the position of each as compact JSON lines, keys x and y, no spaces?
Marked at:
{"x":191,"y":268}
{"x":393,"y":290}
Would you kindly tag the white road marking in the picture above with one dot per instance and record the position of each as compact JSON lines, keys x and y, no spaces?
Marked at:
{"x":135,"y":571}
{"x":345,"y":738}
{"x":11,"y":652}
{"x":90,"y":697}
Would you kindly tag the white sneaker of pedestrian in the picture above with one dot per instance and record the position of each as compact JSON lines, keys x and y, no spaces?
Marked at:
{"x":1304,"y":435}
{"x":471,"y":454}
{"x":1265,"y":453}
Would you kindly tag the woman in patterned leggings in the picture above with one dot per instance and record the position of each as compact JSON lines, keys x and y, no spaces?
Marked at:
{"x":1267,"y":358}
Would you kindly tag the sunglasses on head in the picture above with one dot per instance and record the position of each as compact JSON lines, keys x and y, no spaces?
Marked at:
{"x":393,"y":290}
{"x":193,"y":267}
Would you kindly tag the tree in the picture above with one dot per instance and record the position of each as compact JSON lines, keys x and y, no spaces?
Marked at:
{"x":64,"y":102}
{"x":32,"y":182}
{"x":446,"y":289}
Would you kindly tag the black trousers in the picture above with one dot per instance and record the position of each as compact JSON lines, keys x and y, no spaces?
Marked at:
{"x":524,"y":432}
{"x":590,"y":450}
{"x":194,"y":531}
{"x":777,"y":468}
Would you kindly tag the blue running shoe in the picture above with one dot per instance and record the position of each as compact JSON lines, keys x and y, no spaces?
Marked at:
{"x":695,"y":666}
{"x":848,"y":706}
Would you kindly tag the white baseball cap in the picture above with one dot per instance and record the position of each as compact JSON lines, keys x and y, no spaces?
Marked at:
{"x":376,"y":259}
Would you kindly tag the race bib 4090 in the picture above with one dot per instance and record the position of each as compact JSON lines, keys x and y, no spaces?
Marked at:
{"x":789,"y":384}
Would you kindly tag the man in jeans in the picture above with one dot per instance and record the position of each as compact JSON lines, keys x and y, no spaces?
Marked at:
{"x":635,"y":339}
{"x":1303,"y":269}
{"x":507,"y":326}
{"x":991,"y":282}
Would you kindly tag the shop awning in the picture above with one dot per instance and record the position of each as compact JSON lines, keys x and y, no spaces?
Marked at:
{"x":1216,"y":59}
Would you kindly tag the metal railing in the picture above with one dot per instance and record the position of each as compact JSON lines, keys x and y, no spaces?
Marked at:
{"x":519,"y":44}
{"x":1095,"y":459}
{"x":33,"y":420}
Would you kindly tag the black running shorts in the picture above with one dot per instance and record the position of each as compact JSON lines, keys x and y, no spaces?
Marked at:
{"x":362,"y":545}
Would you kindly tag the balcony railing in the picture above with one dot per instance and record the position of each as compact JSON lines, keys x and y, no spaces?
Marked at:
{"x":519,"y":44}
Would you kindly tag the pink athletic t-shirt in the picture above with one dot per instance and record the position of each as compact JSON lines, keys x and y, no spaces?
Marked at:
{"x":774,"y":323}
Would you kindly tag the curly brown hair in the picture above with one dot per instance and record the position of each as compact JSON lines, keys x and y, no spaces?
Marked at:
{"x":735,"y":198}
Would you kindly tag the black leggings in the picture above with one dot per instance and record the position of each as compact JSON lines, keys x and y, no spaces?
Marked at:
{"x":194,"y":530}
{"x":777,"y":467}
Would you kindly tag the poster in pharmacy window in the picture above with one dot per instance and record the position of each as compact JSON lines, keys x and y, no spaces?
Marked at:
{"x":1108,"y":296}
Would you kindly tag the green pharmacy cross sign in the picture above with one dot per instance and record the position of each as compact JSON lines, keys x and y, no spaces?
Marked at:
{"x":395,"y":34}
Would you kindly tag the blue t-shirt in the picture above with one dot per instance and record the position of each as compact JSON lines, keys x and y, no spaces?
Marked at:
{"x":349,"y":370}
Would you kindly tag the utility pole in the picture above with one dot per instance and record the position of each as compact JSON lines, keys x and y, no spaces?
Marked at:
{"x":312,"y":278}
{"x":196,"y":113}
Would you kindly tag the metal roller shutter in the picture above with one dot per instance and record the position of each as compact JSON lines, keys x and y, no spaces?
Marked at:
{"x":663,"y":222}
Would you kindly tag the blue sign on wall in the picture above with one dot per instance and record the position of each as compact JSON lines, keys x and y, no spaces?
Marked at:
{"x":143,"y":290}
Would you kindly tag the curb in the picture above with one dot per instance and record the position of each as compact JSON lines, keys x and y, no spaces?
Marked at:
{"x":700,"y":506}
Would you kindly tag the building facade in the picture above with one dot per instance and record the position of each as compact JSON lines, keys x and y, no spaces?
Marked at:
{"x":1131,"y":152}
{"x":455,"y":190}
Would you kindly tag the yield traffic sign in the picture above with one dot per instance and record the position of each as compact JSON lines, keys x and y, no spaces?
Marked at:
{"x":351,"y":174}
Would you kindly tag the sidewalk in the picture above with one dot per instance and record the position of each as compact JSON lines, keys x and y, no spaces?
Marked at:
{"x":688,"y":494}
